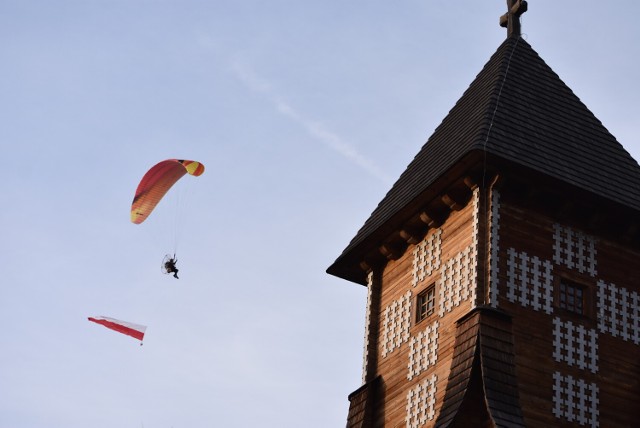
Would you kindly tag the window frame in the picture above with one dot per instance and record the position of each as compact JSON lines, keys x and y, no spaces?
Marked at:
{"x":418,"y":315}
{"x":587,"y":299}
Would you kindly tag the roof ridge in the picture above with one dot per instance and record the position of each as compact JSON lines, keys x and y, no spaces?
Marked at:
{"x":518,"y":111}
{"x":480,"y":126}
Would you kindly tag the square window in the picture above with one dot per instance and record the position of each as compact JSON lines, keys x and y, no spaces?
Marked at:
{"x":426,"y":303}
{"x":572,"y":297}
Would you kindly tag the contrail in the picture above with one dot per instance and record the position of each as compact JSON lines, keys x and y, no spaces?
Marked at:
{"x":313,"y":128}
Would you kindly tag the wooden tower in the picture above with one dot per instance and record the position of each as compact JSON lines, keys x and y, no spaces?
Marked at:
{"x":503,"y":266}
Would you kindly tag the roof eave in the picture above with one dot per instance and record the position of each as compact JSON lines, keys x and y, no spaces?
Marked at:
{"x":348,"y":264}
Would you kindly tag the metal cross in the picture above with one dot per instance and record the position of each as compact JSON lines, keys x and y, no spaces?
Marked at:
{"x":511,"y":19}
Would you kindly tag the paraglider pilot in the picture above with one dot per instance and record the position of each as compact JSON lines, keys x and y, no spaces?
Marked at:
{"x":170,"y":267}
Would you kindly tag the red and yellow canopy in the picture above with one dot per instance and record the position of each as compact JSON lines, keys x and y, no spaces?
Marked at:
{"x":157,"y":182}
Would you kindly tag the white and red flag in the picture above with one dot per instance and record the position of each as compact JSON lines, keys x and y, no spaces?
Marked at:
{"x":130,"y":329}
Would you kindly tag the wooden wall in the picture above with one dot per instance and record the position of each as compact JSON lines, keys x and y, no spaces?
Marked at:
{"x":454,"y":244}
{"x":573,"y":370}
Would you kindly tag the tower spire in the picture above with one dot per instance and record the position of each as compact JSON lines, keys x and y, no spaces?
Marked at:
{"x":511,"y":19}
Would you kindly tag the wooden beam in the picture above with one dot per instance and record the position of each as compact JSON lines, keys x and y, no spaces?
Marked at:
{"x":411,"y":235}
{"x":451,"y":202}
{"x":432,"y":219}
{"x":475,"y":178}
{"x":457,"y":197}
{"x":365,"y":266}
{"x":371,"y":261}
{"x":391,"y":251}
{"x":472,"y":181}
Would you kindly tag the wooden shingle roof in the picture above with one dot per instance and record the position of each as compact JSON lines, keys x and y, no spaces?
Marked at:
{"x":362,"y":404}
{"x":517,"y":110}
{"x":482,"y":389}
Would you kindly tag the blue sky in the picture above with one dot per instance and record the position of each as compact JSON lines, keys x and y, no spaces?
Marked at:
{"x":304,"y":113}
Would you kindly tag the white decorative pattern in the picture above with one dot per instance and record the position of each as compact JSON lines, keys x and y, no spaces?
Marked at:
{"x":457,"y":281}
{"x":575,"y":345}
{"x":367,"y":321}
{"x":421,"y":402}
{"x":619,"y":312}
{"x":529,"y":281}
{"x":397,"y":320}
{"x":475,"y":231}
{"x":426,"y":256}
{"x":575,"y":400}
{"x":574,"y":249}
{"x":494,"y":247}
{"x":423,"y":350}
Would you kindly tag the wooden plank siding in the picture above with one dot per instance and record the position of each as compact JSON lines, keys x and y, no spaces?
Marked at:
{"x":519,"y":371}
{"x":397,"y":279}
{"x":618,"y":361}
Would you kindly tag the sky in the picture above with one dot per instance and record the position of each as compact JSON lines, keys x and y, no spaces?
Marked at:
{"x":304,"y":113}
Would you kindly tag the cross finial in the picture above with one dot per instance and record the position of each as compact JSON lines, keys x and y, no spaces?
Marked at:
{"x":511,"y":19}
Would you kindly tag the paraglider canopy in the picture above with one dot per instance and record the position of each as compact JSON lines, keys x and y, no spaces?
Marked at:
{"x":157,"y":182}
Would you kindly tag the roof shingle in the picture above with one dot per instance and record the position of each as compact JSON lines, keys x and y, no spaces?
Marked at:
{"x":519,"y":110}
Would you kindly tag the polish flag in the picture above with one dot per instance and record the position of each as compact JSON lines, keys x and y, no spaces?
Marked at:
{"x":130,"y":329}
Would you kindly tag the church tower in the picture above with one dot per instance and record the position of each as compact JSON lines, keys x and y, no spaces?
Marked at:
{"x":503,"y":266}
